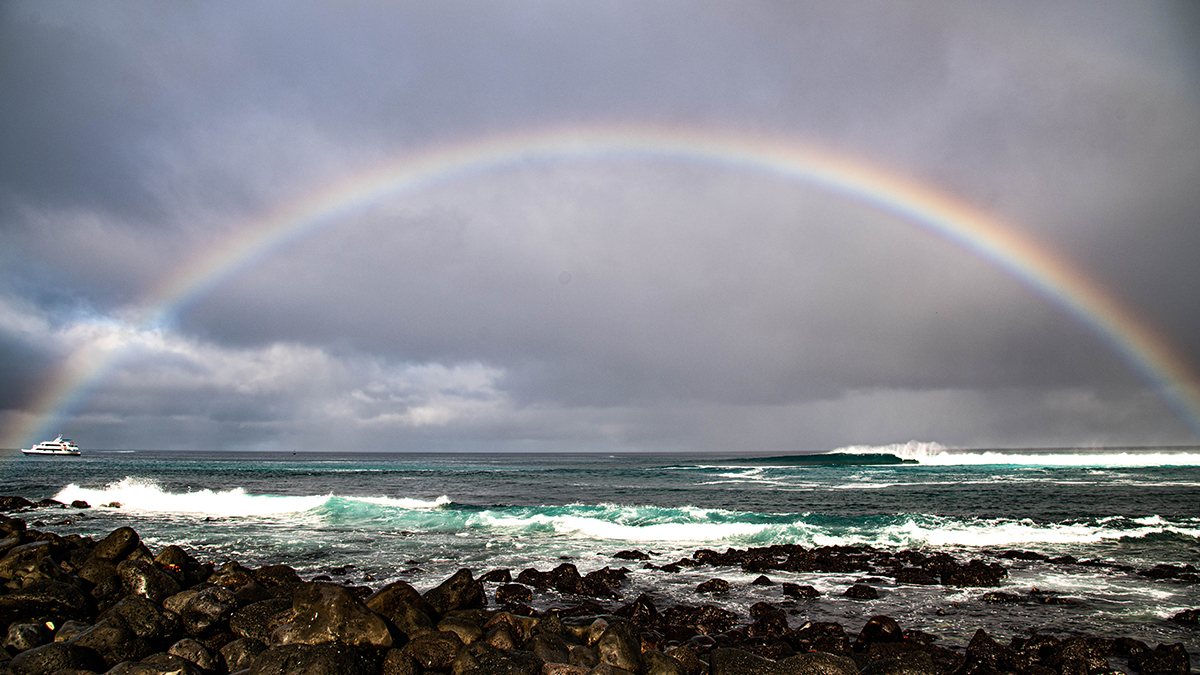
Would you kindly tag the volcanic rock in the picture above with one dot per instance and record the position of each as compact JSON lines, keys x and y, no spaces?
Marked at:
{"x":241,"y":653}
{"x":56,"y":656}
{"x":301,"y":659}
{"x":326,"y":612}
{"x":861,"y":592}
{"x":207,"y":610}
{"x":145,"y":579}
{"x":460,"y":591}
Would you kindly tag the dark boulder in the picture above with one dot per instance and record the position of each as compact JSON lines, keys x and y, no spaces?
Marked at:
{"x":513,"y":593}
{"x":276,"y":576}
{"x":726,"y":661}
{"x":114,"y":641}
{"x":878,"y":629}
{"x":1187,"y":616}
{"x":460,"y":591}
{"x":397,"y":662}
{"x":13,"y":503}
{"x":299,"y":659}
{"x":620,"y":645}
{"x":798,"y":591}
{"x":692,"y":665}
{"x":23,"y":559}
{"x":915,"y":576}
{"x":501,"y":576}
{"x":146,"y":619}
{"x":861,"y":592}
{"x":259,"y":620}
{"x":657,"y":663}
{"x":973,"y":574}
{"x":713,"y":586}
{"x":762,"y":580}
{"x":550,"y":648}
{"x":156,"y":664}
{"x":483,"y":659}
{"x":208,"y":610}
{"x":817,"y":663}
{"x":118,"y":544}
{"x":434,"y":650}
{"x":631,"y":555}
{"x":387,"y":600}
{"x":22,"y":636}
{"x":143,"y":578}
{"x":326,"y":612}
{"x":56,"y":656}
{"x":241,"y":653}
{"x":641,"y":611}
{"x":44,"y":599}
{"x":1162,"y":660}
{"x":194,"y":652}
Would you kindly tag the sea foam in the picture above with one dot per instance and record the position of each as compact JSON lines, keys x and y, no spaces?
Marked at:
{"x":935,"y":454}
{"x":146,"y":496}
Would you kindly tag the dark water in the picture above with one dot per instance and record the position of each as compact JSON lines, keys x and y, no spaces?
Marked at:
{"x":420,"y":517}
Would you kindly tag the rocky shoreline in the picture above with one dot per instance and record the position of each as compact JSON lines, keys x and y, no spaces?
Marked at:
{"x":73,"y":605}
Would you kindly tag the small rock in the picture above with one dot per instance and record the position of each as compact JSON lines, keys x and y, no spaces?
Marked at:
{"x":798,"y":591}
{"x":713,"y":586}
{"x":861,"y":592}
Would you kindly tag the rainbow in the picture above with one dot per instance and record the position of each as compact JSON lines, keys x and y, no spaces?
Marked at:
{"x":1132,"y":338}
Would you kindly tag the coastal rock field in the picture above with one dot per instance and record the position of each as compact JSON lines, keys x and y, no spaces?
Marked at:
{"x":72,"y":605}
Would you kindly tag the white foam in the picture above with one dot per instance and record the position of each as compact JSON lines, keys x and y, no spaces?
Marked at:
{"x":595,"y":528}
{"x":936,"y":454}
{"x":996,"y":533}
{"x":135,"y":494}
{"x":404,"y":503}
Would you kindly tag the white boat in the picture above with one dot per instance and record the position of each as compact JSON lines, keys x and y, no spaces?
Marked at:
{"x":58,"y":446}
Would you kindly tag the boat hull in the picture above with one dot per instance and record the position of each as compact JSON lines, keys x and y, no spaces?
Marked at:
{"x":60,"y":453}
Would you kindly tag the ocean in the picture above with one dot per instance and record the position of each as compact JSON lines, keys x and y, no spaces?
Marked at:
{"x":368,"y":519}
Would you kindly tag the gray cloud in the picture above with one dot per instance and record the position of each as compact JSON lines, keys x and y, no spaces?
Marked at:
{"x":706,"y":307}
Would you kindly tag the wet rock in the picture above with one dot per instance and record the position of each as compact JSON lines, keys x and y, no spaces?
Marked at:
{"x":692,"y":665}
{"x":118,"y":544}
{"x":56,"y":656}
{"x":861,"y":592}
{"x":259,"y":620}
{"x":878,"y":629}
{"x":550,"y":648}
{"x":70,"y":629}
{"x":397,"y":662}
{"x":1000,"y":597}
{"x":434,"y":651}
{"x":241,"y":653}
{"x":385,"y":601}
{"x":207,"y":610}
{"x":483,"y":659}
{"x":641,"y":611}
{"x":300,"y":659}
{"x":156,"y":664}
{"x":22,"y":636}
{"x":823,"y":636}
{"x":251,"y":593}
{"x":713,"y":586}
{"x":707,"y":619}
{"x":13,"y":503}
{"x":621,"y":646}
{"x":80,"y":504}
{"x":762,"y":580}
{"x":513,"y":593}
{"x":1187,"y":616}
{"x":564,"y":669}
{"x":194,"y":652}
{"x":44,"y":599}
{"x":725,"y":661}
{"x":231,"y":575}
{"x":973,"y":574}
{"x":326,"y":612}
{"x":145,"y":579}
{"x":657,"y":663}
{"x":798,"y":591}
{"x":467,"y":631}
{"x":631,"y":555}
{"x":146,"y":619}
{"x":501,"y":576}
{"x":277,"y":576}
{"x":1162,"y":660}
{"x":817,"y":663}
{"x":914,"y":576}
{"x":23,"y":559}
{"x":460,"y":591}
{"x":114,"y":641}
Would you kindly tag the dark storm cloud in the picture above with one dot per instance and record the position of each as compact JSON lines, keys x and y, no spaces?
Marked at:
{"x":705,"y":307}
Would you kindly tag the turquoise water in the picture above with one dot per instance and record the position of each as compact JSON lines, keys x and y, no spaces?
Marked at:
{"x":420,"y":517}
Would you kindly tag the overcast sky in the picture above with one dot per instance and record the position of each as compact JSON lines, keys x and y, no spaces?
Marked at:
{"x":604,"y":304}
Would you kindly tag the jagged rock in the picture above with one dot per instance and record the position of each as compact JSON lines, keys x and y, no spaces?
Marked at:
{"x":550,"y":648}
{"x":259,"y":620}
{"x":1000,"y":597}
{"x":145,"y":579}
{"x":231,"y":575}
{"x":460,"y":591}
{"x":621,"y":646}
{"x":713,"y":586}
{"x":241,"y":653}
{"x":817,"y":663}
{"x":726,"y":661}
{"x":44,"y":599}
{"x":23,"y":559}
{"x":631,"y":555}
{"x":641,"y":611}
{"x":501,"y":576}
{"x":1162,"y":660}
{"x":299,"y":659}
{"x":13,"y":502}
{"x":798,"y":591}
{"x":146,"y":619}
{"x":118,"y":544}
{"x":1074,"y":656}
{"x":114,"y":641}
{"x":70,"y":629}
{"x":207,"y":610}
{"x":914,"y":576}
{"x":879,"y":629}
{"x":513,"y":593}
{"x":692,"y":665}
{"x":657,"y":663}
{"x":435,"y":650}
{"x":193,"y":651}
{"x":823,"y":636}
{"x":1188,"y":616}
{"x":53,"y":657}
{"x":974,"y":573}
{"x":22,"y":636}
{"x":861,"y":592}
{"x":326,"y":612}
{"x":483,"y":659}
